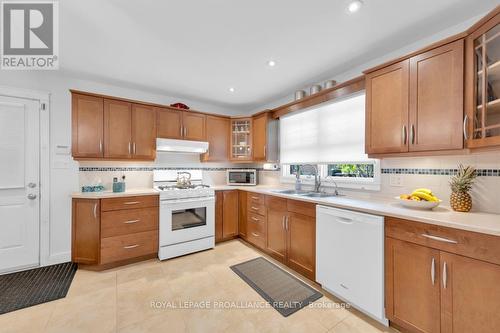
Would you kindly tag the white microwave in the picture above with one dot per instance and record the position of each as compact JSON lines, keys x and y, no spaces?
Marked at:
{"x":241,"y":177}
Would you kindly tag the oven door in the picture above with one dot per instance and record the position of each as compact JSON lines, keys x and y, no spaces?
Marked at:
{"x":185,"y":220}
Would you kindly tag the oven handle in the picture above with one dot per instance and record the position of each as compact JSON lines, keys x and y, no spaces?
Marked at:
{"x":178,"y":201}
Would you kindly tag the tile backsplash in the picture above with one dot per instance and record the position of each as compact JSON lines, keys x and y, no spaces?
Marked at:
{"x":430,"y":172}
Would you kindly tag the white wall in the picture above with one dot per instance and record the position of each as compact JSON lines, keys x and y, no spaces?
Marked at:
{"x":64,"y":171}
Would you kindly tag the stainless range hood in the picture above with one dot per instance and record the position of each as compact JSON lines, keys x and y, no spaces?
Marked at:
{"x":181,"y":146}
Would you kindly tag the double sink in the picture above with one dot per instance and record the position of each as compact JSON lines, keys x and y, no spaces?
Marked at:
{"x":309,"y":194}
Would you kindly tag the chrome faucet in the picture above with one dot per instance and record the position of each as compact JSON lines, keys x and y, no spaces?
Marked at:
{"x":298,"y":182}
{"x":317,"y":177}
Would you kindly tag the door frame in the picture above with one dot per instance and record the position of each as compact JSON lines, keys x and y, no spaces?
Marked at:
{"x":43,"y":99}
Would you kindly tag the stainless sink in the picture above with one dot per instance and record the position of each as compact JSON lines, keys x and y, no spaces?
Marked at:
{"x":320,"y":195}
{"x":291,"y":192}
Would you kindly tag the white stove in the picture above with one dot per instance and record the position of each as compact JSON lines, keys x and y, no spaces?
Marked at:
{"x":187,"y":213}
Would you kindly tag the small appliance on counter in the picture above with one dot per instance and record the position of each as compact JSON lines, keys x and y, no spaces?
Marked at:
{"x":118,"y":187}
{"x":246,"y":177}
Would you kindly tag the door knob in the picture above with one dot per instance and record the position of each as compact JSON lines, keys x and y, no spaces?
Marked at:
{"x":32,"y":196}
{"x":32,"y":185}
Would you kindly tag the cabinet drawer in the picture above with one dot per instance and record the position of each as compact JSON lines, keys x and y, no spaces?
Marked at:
{"x":276,"y":203}
{"x":129,"y":202}
{"x":128,"y":246}
{"x":255,"y":198}
{"x":129,"y":221}
{"x":466,"y":243}
{"x":301,"y":207}
{"x":257,"y":209}
{"x":255,"y":235}
{"x":258,"y":222}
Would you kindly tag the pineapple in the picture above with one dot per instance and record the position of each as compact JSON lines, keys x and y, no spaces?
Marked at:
{"x":461,"y":183}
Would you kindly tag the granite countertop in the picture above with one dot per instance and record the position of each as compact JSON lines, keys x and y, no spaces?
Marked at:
{"x":444,"y":216}
{"x":109,"y":194}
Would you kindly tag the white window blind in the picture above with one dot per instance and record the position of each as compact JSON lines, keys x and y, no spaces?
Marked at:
{"x":332,"y":132}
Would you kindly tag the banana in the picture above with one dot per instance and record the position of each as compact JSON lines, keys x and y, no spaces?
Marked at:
{"x":423,"y":190}
{"x":425,"y":196}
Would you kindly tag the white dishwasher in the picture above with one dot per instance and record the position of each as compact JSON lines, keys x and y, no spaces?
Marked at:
{"x":350,"y":258}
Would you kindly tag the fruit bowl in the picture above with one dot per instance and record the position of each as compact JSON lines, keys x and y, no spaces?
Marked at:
{"x":418,"y":204}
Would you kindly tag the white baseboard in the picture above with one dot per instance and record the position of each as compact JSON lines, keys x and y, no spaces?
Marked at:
{"x":57,"y":258}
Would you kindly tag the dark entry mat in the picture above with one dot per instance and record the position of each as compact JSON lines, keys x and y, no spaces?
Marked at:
{"x":280,"y":289}
{"x":23,"y":289}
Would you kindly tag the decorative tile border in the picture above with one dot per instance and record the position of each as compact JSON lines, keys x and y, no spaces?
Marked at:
{"x":152,"y":168}
{"x":440,"y":172}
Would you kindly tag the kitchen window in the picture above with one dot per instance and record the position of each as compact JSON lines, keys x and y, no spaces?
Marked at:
{"x":330,"y":136}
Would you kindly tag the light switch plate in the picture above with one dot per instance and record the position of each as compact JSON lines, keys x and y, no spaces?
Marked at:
{"x":396,"y":180}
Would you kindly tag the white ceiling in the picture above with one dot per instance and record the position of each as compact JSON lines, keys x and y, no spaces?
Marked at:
{"x":198,"y":49}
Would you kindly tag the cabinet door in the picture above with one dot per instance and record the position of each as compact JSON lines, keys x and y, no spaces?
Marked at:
{"x":387,"y":109}
{"x":302,"y":244}
{"x":242,"y":207}
{"x":259,"y":137}
{"x":143,"y":132}
{"x":219,"y":200}
{"x":169,"y":123}
{"x":117,"y":129}
{"x":194,"y":126}
{"x":436,"y":99}
{"x":276,"y":234}
{"x":85,"y":231}
{"x":230,"y":214}
{"x":470,"y":295}
{"x":218,"y":139}
{"x":87,"y":126}
{"x":412,"y":286}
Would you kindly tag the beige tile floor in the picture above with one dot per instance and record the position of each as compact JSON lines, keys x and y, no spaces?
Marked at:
{"x":120,"y":300}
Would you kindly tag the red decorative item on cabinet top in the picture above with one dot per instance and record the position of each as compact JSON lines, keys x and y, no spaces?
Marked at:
{"x":180,"y":106}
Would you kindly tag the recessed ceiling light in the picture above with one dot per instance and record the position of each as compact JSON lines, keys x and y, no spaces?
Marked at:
{"x":354,"y":6}
{"x":271,"y":63}
{"x":231,"y":89}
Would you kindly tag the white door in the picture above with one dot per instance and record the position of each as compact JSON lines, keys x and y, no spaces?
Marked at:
{"x":19,"y":183}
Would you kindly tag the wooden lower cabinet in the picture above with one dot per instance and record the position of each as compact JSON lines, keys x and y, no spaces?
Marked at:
{"x":301,"y":249}
{"x":111,"y":231}
{"x":441,"y":284}
{"x":412,"y":295}
{"x":276,"y":234}
{"x":226,"y":215}
{"x":242,"y":209}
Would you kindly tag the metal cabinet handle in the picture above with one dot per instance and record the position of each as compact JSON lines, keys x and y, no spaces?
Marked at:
{"x":440,"y":239}
{"x":185,"y":131}
{"x":405,"y":135}
{"x":445,"y":274}
{"x":344,"y":220}
{"x":433,"y":271}
{"x":287,"y":222}
{"x":466,"y":121}
{"x":131,"y":203}
{"x":182,"y":131}
{"x":131,"y":246}
{"x":255,"y":208}
{"x":100,"y":146}
{"x":131,"y":221}
{"x":255,"y":219}
{"x":95,"y":210}
{"x":256,"y":235}
{"x":255,"y":198}
{"x":130,"y":148}
{"x":412,"y":134}
{"x":32,"y":196}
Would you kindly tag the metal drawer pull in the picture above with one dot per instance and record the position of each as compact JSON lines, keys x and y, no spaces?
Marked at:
{"x":440,"y":239}
{"x":131,"y":203}
{"x":445,"y":274}
{"x":255,"y":198}
{"x":95,"y":210}
{"x":131,"y":221}
{"x":466,"y":118}
{"x":131,"y":246}
{"x":255,"y":208}
{"x":412,"y":134}
{"x":433,"y":271}
{"x":405,"y":135}
{"x":255,"y":219}
{"x":254,"y":234}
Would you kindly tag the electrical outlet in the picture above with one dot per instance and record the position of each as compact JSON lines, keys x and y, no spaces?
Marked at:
{"x":396,"y":180}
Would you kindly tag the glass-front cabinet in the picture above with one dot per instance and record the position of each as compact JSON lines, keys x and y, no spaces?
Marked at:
{"x":484,"y":105}
{"x":241,"y":139}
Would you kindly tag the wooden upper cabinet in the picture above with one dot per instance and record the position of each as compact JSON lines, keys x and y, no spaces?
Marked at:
{"x":169,"y":123}
{"x":87,"y":126}
{"x":117,"y":129}
{"x":412,"y":288}
{"x":436,"y":99}
{"x":259,"y":136}
{"x":387,"y":109}
{"x":194,"y":126}
{"x":218,"y":139}
{"x":143,"y":132}
{"x":471,"y":297}
{"x":230,"y":214}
